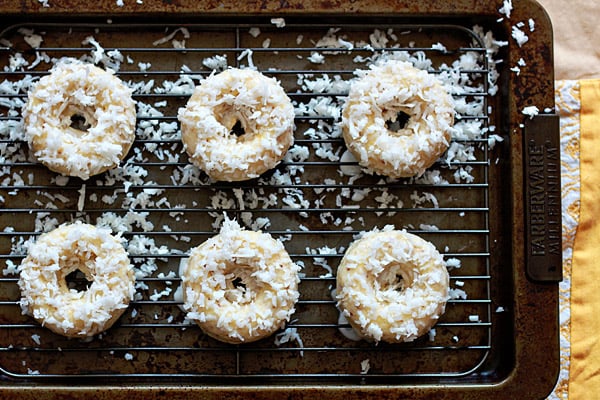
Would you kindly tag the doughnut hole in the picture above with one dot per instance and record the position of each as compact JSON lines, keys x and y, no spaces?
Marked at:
{"x":78,"y":281}
{"x":237,"y":282}
{"x":235,"y":121}
{"x":76,"y":273}
{"x":396,"y":121}
{"x":237,"y":129}
{"x":395,"y":277}
{"x":79,"y":123}
{"x":78,"y":120}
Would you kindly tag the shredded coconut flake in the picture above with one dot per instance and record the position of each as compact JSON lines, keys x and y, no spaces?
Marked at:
{"x":184,"y":31}
{"x":520,"y":37}
{"x":431,"y":334}
{"x":316,"y":58}
{"x":289,"y":335}
{"x":254,"y":31}
{"x":453,"y":263}
{"x":531,"y":111}
{"x":506,"y":8}
{"x":365,"y":366}
{"x":36,"y":338}
{"x":278,"y":22}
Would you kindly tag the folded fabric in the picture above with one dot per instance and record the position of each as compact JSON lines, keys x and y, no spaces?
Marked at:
{"x":568,"y":106}
{"x":584,"y":372}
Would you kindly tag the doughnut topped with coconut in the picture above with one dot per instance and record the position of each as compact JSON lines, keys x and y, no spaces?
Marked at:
{"x":392,"y":285}
{"x":397,"y":119}
{"x":239,"y":286}
{"x":237,"y":125}
{"x":80,"y":119}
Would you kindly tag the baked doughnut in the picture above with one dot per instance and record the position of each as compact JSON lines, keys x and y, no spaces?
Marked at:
{"x":239,"y":286}
{"x":66,"y":249}
{"x":78,"y":91}
{"x":392,"y":285}
{"x":382,"y":96}
{"x":262,"y":109}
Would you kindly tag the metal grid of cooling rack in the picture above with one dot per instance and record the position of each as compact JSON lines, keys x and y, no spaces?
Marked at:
{"x":164,"y":207}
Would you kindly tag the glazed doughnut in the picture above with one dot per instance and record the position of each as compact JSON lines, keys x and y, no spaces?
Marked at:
{"x":392,"y":286}
{"x":69,"y":312}
{"x":261,"y":107}
{"x":74,"y":90}
{"x":239,"y":286}
{"x":378,"y":98}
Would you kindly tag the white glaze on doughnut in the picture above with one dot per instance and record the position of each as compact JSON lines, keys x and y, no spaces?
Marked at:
{"x":76,"y":88}
{"x":375,"y":302}
{"x":68,"y":312}
{"x":239,"y":314}
{"x":264,"y":111}
{"x":376,"y":98}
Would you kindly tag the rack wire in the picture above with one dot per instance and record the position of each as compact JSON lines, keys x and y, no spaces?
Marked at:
{"x":165,"y":206}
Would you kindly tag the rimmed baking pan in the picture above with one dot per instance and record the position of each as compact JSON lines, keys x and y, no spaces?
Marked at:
{"x":491,"y":205}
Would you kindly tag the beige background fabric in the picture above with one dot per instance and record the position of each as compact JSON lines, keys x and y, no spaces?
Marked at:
{"x":576,"y":26}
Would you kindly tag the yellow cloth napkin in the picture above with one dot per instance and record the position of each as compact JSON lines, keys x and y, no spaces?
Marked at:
{"x":584,"y":382}
{"x":568,"y":106}
{"x":578,"y":104}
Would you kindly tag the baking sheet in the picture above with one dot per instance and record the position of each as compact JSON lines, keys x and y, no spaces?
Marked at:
{"x":314,"y":206}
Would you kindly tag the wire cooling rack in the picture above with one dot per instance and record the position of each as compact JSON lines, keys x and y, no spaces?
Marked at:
{"x":314,"y":200}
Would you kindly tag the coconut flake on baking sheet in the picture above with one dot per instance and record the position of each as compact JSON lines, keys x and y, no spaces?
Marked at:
{"x":506,"y":8}
{"x":254,"y":31}
{"x":429,"y":227}
{"x":97,"y":52}
{"x":332,"y":40}
{"x":455,"y":293}
{"x":365,"y":366}
{"x":290,"y":334}
{"x":278,"y":22}
{"x":474,"y":318}
{"x":11,"y":268}
{"x":31,"y":38}
{"x":217,"y":62}
{"x":247,"y":53}
{"x":36,"y":338}
{"x":175,"y":43}
{"x":164,"y":293}
{"x":520,"y":37}
{"x":452,"y":263}
{"x":316,"y":58}
{"x":530,"y":111}
{"x":322,"y":261}
{"x":431,"y":334}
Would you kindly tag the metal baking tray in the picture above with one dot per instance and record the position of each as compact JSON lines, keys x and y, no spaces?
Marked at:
{"x":501,"y":341}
